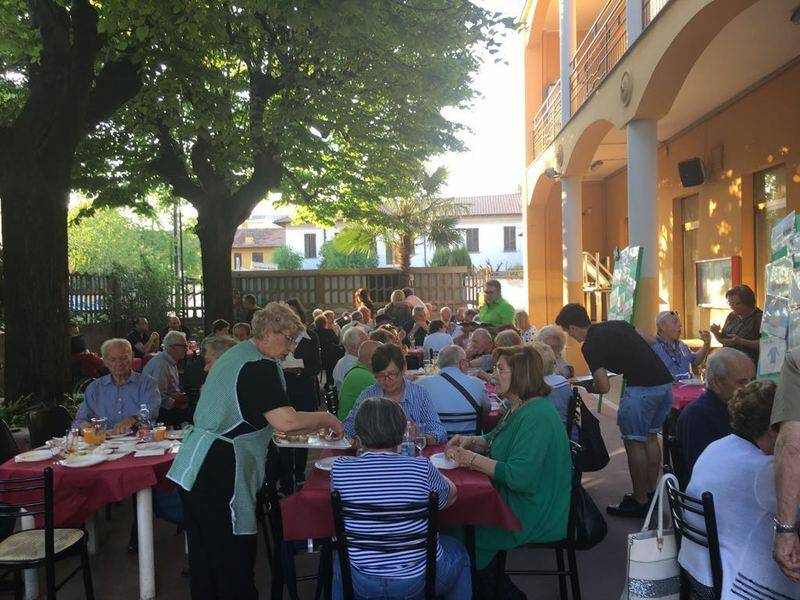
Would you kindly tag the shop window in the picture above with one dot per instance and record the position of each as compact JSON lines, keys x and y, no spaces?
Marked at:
{"x":769,"y":198}
{"x":258,"y":257}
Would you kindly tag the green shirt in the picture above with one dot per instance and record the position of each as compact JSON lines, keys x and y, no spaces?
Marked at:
{"x":533,"y":475}
{"x":356,"y":381}
{"x":499,"y":313}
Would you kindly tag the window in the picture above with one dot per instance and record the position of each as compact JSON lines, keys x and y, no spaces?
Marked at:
{"x":310,"y":245}
{"x":258,"y":257}
{"x":510,"y":239}
{"x":389,"y":254}
{"x":471,"y":239}
{"x":237,"y":261}
{"x":769,"y":197}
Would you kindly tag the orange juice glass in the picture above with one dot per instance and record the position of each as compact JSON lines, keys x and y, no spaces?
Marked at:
{"x":88,"y":435}
{"x":159,"y":433}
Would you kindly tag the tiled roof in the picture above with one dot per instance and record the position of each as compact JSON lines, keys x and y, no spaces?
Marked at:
{"x":499,"y":204}
{"x":259,"y":238}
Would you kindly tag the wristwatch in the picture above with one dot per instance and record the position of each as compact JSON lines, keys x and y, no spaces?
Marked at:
{"x":784,"y":528}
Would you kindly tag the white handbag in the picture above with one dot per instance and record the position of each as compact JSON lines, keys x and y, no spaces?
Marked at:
{"x":653,"y":570}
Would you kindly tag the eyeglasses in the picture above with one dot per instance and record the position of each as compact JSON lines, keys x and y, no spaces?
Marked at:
{"x":180,"y":346}
{"x":499,"y":370}
{"x":387,"y":376}
{"x":289,"y":338}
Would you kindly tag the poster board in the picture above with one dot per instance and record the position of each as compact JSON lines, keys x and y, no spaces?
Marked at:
{"x":625,"y":283}
{"x":780,"y":324}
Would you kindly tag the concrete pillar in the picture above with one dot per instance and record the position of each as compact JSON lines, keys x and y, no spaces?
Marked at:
{"x":567,"y":41}
{"x":572,"y":238}
{"x":643,"y":214}
{"x":633,"y":17}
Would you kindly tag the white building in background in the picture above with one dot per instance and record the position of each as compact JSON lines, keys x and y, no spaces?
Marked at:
{"x":491,"y":226}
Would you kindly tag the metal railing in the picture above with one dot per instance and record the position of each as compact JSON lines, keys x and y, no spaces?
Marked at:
{"x":603,"y":46}
{"x":547,"y":122}
{"x":650,"y":8}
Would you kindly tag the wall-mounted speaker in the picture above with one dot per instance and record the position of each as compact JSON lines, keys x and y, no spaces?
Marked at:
{"x":692,"y":172}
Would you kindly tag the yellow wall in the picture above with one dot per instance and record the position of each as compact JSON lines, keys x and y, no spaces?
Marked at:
{"x":247,"y":256}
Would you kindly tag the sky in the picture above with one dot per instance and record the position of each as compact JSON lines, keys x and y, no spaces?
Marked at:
{"x":494,"y":160}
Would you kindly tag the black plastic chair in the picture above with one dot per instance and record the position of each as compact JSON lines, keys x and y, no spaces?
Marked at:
{"x":561,"y":546}
{"x":46,"y":423}
{"x":34,"y":548}
{"x":382,"y":542}
{"x":8,"y":445}
{"x":679,"y":504}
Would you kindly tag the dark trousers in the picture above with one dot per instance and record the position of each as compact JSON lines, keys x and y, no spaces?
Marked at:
{"x":220,"y":564}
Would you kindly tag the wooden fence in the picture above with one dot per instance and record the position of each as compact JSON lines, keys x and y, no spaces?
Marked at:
{"x":100,"y":299}
{"x":451,"y":286}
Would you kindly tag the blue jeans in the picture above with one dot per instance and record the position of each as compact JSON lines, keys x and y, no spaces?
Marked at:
{"x":453,"y":578}
{"x":642,"y":410}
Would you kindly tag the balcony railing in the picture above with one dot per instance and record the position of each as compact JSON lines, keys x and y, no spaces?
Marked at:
{"x":650,"y":8}
{"x":604,"y":44}
{"x":547,"y":122}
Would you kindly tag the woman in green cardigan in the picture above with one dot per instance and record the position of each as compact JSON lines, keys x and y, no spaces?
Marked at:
{"x":527,"y":457}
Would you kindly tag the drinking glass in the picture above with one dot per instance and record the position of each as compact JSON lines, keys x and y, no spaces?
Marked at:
{"x":99,"y":426}
{"x":420,"y":441}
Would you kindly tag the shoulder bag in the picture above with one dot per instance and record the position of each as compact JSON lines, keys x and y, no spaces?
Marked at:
{"x":594,"y":454}
{"x":653,"y":570}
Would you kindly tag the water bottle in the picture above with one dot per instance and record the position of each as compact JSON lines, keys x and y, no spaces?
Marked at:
{"x":144,"y":422}
{"x":407,"y":447}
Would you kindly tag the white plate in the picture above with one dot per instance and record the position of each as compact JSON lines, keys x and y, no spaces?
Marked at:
{"x":103,"y":450}
{"x":86,"y":460}
{"x":34,"y":456}
{"x":326,"y":464}
{"x":314,"y":442}
{"x":162,"y":445}
{"x":120,"y":453}
{"x":177,"y":434}
{"x":440,"y":462}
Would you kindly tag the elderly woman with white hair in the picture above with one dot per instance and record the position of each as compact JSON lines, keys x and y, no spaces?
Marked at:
{"x":215,"y":346}
{"x":221,"y":465}
{"x":555,"y":337}
{"x":561,"y":390}
{"x":674,"y":353}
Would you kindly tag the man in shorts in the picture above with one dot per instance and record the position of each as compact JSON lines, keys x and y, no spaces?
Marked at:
{"x":617,"y":347}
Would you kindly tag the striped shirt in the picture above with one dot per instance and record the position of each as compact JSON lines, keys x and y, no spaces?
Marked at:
{"x":416,"y":403}
{"x":388,"y":479}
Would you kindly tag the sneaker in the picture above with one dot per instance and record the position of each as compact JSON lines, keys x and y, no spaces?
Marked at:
{"x":628,"y":508}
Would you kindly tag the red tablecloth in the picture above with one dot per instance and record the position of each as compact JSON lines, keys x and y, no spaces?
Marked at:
{"x":309,"y":514}
{"x":79,"y":493}
{"x":683,"y":395}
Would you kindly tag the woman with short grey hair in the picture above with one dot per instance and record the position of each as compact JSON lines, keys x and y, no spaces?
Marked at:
{"x":555,"y":337}
{"x":215,"y":346}
{"x":382,"y":477}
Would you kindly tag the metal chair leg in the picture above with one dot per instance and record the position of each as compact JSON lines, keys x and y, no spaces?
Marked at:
{"x":88,"y":586}
{"x":572,"y":559}
{"x":562,"y":579}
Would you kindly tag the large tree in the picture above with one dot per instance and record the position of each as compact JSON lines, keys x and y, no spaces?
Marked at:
{"x":334,"y":104}
{"x":65,"y":65}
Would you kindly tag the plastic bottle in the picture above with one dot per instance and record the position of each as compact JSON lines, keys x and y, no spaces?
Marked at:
{"x":144,"y":421}
{"x":407,"y":447}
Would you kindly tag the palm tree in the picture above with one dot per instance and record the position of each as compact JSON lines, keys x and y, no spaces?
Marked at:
{"x":400,"y":221}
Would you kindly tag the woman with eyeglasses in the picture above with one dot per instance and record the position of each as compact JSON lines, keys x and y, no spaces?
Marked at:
{"x":222,"y":461}
{"x":527,"y":457}
{"x":388,"y":366}
{"x":674,"y":353}
{"x":742,"y":327}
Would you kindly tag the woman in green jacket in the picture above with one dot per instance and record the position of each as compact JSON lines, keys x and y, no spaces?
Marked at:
{"x":527,"y":457}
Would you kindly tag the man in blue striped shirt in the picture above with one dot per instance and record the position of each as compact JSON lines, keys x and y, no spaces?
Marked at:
{"x":388,"y":365}
{"x":382,"y":477}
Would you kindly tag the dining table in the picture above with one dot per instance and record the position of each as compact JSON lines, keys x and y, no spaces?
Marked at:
{"x":78,"y":493}
{"x":683,"y":395}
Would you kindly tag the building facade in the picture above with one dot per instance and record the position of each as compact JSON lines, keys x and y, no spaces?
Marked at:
{"x":667,"y":124}
{"x":253,"y":248}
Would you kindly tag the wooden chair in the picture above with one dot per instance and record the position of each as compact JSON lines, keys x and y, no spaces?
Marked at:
{"x":380,"y":542}
{"x":46,"y":423}
{"x":34,"y":548}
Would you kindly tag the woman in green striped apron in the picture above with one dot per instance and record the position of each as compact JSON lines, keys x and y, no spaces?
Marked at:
{"x":221,"y":464}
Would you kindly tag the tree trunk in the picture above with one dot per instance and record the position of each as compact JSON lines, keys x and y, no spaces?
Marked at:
{"x":34,"y":207}
{"x":216,"y":239}
{"x":405,"y":248}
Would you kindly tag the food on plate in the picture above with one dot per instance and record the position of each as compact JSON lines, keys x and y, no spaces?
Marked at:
{"x":293,"y":438}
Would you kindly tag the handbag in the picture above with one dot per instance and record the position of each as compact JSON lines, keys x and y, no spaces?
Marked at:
{"x":590,"y":525}
{"x":594,"y":454}
{"x":653,"y":570}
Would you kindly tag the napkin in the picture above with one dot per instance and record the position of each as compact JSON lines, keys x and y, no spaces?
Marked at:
{"x":153,"y":452}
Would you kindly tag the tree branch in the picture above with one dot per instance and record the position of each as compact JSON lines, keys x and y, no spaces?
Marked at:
{"x":211,"y":181}
{"x":171,"y":166}
{"x":297,"y":185}
{"x":118,"y":81}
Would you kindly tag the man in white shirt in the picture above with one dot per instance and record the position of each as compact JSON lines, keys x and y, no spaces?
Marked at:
{"x":449,"y":391}
{"x":351,"y":340}
{"x":436,"y":339}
